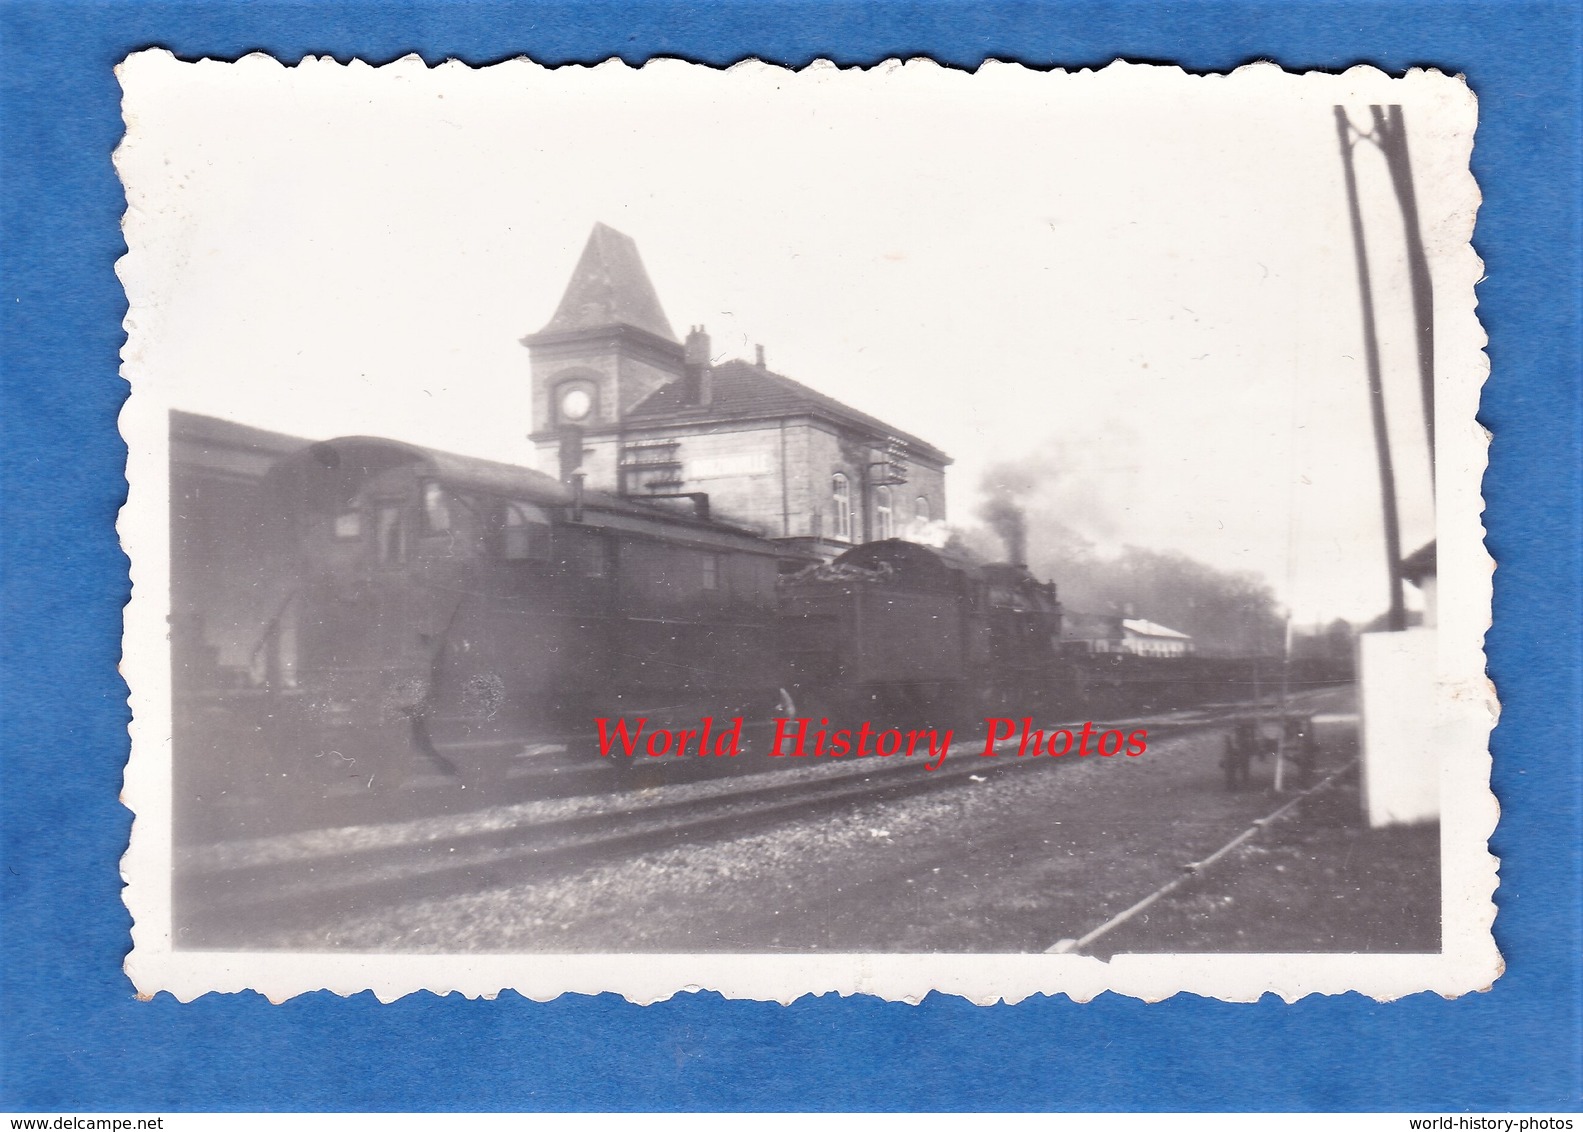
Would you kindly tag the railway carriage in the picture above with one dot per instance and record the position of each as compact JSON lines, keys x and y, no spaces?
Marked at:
{"x":461,"y":608}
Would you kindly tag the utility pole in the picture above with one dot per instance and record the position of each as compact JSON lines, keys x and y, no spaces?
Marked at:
{"x":1390,"y":134}
{"x":1286,"y":695}
{"x":1371,"y":357}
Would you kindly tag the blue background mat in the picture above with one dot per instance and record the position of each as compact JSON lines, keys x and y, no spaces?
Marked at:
{"x":75,"y":1038}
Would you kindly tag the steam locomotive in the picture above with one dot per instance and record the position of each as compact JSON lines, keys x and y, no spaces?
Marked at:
{"x":434,"y":610}
{"x":438,"y":611}
{"x":893,"y":629}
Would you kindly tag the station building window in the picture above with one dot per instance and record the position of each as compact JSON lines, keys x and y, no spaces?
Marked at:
{"x":920,"y":509}
{"x":883,"y":526}
{"x":841,"y":501}
{"x":349,"y":525}
{"x":711,"y":578}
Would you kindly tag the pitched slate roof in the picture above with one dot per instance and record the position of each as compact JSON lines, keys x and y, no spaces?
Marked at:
{"x":1150,"y":629}
{"x":742,"y":391}
{"x":610,"y":288}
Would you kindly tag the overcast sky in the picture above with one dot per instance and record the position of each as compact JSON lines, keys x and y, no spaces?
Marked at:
{"x":1144,"y":279}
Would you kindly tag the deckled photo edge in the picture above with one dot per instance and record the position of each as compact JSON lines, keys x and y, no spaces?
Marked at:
{"x":1468,"y":961}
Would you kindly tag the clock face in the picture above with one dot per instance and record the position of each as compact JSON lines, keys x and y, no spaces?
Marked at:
{"x":575,"y":404}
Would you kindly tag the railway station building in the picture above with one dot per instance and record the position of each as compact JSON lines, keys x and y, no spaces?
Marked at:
{"x":621,"y":401}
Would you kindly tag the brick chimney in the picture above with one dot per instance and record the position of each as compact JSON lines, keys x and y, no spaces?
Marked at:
{"x":700,"y":376}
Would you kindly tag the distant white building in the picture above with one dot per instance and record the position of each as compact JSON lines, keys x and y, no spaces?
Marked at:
{"x":1145,"y":638}
{"x":1109,"y":633}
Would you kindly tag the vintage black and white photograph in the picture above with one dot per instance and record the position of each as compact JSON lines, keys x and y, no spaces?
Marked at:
{"x":887,"y":530}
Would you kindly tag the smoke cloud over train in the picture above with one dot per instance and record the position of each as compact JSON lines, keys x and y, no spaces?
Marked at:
{"x":1065,"y":512}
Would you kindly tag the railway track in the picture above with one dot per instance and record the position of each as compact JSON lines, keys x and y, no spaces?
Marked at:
{"x":242,"y":889}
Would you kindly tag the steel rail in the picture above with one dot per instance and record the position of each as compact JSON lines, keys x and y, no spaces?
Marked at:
{"x":1192,"y":869}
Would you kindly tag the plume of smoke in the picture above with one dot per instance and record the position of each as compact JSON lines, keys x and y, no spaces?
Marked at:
{"x":1006,"y":517}
{"x":1086,"y":484}
{"x":1051,"y":508}
{"x":1013,"y":488}
{"x":936,"y":533}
